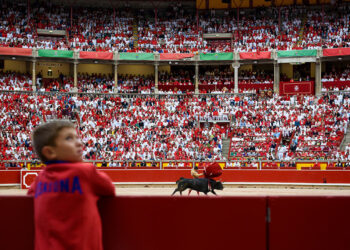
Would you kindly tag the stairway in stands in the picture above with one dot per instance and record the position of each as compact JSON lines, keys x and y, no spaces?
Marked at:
{"x":346,"y":140}
{"x":226,"y":147}
{"x":135,"y":33}
{"x":301,"y":32}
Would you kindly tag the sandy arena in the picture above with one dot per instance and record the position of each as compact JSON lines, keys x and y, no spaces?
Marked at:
{"x":142,"y":190}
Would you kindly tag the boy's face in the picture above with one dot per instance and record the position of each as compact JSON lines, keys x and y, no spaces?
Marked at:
{"x":68,"y":147}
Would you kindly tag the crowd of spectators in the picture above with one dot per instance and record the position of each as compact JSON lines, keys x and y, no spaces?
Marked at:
{"x":178,"y":81}
{"x":255,"y":77}
{"x":257,"y":29}
{"x":336,"y":75}
{"x":145,"y":127}
{"x":116,"y":127}
{"x":327,"y":28}
{"x":129,"y":83}
{"x":102,"y":30}
{"x":175,"y":30}
{"x":336,"y":80}
{"x":15,"y":81}
{"x":315,"y":126}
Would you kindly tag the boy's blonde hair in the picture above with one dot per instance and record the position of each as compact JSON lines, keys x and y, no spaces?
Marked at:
{"x":46,"y":135}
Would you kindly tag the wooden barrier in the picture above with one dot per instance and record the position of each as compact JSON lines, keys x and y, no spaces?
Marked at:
{"x":259,"y":176}
{"x":16,"y":222}
{"x":206,"y":223}
{"x":309,"y":223}
{"x":26,"y":177}
{"x":173,"y":223}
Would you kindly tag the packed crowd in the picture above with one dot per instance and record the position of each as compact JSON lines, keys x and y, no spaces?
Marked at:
{"x":336,"y":79}
{"x":327,"y":28}
{"x":314,"y":126}
{"x":15,"y":81}
{"x":102,"y":30}
{"x":145,"y":127}
{"x":336,"y":75}
{"x":129,"y":83}
{"x":115,"y":127}
{"x":175,"y":30}
{"x":255,"y":77}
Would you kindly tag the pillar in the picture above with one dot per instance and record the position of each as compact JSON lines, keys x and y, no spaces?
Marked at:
{"x":34,"y":76}
{"x":196,"y":78}
{"x":318,"y":83}
{"x":276,"y":77}
{"x":115,"y":77}
{"x":236,"y":66}
{"x":75,"y":76}
{"x":156,"y":78}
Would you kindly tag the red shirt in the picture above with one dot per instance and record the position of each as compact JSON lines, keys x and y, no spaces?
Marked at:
{"x":65,"y":209}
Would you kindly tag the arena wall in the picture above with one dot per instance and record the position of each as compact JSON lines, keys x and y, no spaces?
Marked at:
{"x":312,"y":70}
{"x":141,"y":176}
{"x":57,"y":69}
{"x":136,"y":69}
{"x":244,"y":67}
{"x":206,"y":223}
{"x":165,"y":68}
{"x":240,"y":3}
{"x":103,"y":69}
{"x":15,"y":66}
{"x":287,"y":69}
{"x":217,"y":4}
{"x":260,"y":3}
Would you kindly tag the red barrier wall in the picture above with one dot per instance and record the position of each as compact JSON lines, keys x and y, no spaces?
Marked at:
{"x":172,"y":223}
{"x":171,"y":175}
{"x":309,"y":223}
{"x":284,"y":176}
{"x":16,"y":222}
{"x":287,"y":176}
{"x":10,"y":177}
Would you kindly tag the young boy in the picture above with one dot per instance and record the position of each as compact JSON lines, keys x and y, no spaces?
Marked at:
{"x":66,"y":191}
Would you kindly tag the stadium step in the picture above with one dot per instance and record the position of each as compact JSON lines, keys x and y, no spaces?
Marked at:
{"x":135,"y":33}
{"x":346,"y":140}
{"x":226,"y":147}
{"x":301,"y":32}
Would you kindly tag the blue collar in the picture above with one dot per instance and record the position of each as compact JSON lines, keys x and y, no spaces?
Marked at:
{"x":55,"y":162}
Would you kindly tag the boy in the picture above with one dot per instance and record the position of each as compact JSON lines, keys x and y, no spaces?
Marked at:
{"x":66,"y":191}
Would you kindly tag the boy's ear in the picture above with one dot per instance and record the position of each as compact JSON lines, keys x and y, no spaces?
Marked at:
{"x":49,"y":152}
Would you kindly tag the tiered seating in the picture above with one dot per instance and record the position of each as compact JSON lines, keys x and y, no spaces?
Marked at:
{"x":336,"y":80}
{"x":113,"y":127}
{"x":177,"y":81}
{"x":165,"y":128}
{"x":214,"y":81}
{"x":174,"y":32}
{"x":94,"y":83}
{"x":15,"y":29}
{"x":328,"y":29}
{"x":247,"y":143}
{"x":96,"y":29}
{"x":219,"y":45}
{"x":135,"y":84}
{"x":317,"y":144}
{"x":317,"y":134}
{"x":15,"y":81}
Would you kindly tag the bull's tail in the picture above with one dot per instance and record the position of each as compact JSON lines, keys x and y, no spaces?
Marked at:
{"x":181,"y":178}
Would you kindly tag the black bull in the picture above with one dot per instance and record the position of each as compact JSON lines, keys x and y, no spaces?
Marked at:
{"x":200,"y":185}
